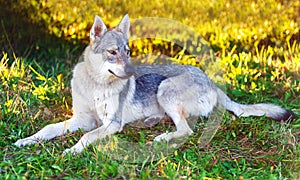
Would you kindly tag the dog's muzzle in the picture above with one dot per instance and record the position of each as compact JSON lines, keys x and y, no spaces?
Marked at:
{"x":129,"y":70}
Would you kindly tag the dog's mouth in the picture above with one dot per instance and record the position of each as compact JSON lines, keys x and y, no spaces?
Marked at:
{"x":121,"y":77}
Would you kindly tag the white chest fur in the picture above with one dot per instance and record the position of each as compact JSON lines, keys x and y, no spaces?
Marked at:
{"x":106,"y":103}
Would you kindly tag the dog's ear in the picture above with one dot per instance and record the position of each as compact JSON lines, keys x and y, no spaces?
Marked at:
{"x":124,"y":26}
{"x":98,"y":29}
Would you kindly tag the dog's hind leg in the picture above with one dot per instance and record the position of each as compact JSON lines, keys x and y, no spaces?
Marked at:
{"x":177,"y":114}
{"x":170,"y":100}
{"x":147,"y":123}
{"x":152,"y":121}
{"x":53,"y":130}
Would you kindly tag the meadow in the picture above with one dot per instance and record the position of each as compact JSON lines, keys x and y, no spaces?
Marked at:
{"x":250,"y":49}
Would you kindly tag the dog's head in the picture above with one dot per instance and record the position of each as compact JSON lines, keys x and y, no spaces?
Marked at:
{"x":108,"y":52}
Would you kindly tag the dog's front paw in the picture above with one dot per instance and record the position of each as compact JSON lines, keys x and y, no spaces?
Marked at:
{"x":71,"y":151}
{"x":66,"y":151}
{"x":25,"y":141}
{"x":74,"y":150}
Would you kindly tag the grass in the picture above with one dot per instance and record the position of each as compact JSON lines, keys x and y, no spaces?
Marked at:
{"x":35,"y":91}
{"x":249,"y":148}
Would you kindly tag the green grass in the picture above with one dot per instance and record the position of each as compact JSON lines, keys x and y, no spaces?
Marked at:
{"x":252,"y":148}
{"x":256,"y":59}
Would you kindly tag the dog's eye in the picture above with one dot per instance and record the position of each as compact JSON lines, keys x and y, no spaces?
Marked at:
{"x":112,"y":52}
{"x":127,"y":52}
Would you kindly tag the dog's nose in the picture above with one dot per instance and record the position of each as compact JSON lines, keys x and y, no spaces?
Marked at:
{"x":129,"y":69}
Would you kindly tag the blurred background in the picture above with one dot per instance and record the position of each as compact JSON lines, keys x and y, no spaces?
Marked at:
{"x":28,"y":25}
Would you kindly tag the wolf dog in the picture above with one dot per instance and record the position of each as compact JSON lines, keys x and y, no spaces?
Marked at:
{"x":108,"y":92}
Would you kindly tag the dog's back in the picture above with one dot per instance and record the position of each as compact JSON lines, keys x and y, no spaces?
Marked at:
{"x":196,"y":91}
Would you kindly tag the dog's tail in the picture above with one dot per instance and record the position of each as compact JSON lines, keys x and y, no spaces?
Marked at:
{"x":245,"y":110}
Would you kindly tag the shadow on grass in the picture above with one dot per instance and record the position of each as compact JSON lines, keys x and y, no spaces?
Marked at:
{"x":30,"y":39}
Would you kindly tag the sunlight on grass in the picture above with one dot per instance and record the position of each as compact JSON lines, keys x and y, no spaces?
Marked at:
{"x":251,"y":71}
{"x":254,"y":50}
{"x":245,"y":71}
{"x":16,"y":78}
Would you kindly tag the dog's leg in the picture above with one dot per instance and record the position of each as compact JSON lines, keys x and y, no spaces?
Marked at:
{"x":53,"y":130}
{"x":170,"y":100}
{"x":182,"y":127}
{"x":94,"y":135}
{"x":152,"y":121}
